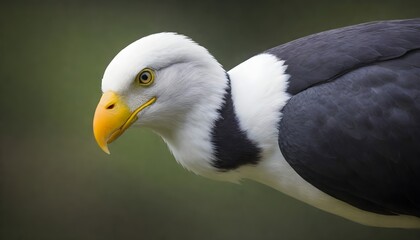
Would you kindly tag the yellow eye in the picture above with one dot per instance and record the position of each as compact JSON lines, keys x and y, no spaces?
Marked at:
{"x":145,"y":77}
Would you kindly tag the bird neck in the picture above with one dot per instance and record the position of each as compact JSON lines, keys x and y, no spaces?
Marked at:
{"x":234,"y":124}
{"x":191,"y":139}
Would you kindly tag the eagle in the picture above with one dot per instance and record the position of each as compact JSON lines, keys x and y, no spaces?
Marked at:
{"x":331,"y":119}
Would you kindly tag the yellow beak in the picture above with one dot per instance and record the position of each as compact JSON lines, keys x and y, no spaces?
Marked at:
{"x":112,"y":118}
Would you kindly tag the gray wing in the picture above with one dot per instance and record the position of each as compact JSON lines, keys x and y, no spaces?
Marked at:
{"x":324,"y":56}
{"x":354,"y":133}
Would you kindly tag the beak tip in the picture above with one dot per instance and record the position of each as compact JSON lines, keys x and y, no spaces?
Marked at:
{"x":106,"y":149}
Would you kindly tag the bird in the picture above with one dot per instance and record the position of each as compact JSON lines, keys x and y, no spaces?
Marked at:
{"x":331,"y":119}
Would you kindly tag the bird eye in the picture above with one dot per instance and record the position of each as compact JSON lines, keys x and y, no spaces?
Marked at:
{"x":145,"y":77}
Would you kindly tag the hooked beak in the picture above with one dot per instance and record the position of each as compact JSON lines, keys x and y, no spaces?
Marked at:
{"x":113,"y":117}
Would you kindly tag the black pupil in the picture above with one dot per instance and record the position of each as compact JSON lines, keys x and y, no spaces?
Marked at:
{"x":145,"y":77}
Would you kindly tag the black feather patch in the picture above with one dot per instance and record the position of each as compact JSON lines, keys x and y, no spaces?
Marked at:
{"x":232,"y":147}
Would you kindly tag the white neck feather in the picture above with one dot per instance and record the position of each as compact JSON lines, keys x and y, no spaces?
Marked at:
{"x":190,"y":141}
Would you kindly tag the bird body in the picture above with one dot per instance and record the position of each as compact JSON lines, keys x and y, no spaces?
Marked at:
{"x":332,"y":119}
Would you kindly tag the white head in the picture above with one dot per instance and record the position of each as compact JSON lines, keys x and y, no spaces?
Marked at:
{"x":156,"y":82}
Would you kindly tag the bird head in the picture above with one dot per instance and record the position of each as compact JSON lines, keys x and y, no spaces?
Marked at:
{"x":154,"y":82}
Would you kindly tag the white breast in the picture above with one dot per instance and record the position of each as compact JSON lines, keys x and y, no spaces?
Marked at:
{"x":259,"y":92}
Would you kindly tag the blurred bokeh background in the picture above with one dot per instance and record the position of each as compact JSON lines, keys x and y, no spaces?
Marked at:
{"x":55,"y":183}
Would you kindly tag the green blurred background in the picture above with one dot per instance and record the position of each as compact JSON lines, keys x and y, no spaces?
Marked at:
{"x":55,"y":183}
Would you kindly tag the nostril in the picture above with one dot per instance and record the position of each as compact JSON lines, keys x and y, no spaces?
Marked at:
{"x":111,"y":106}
